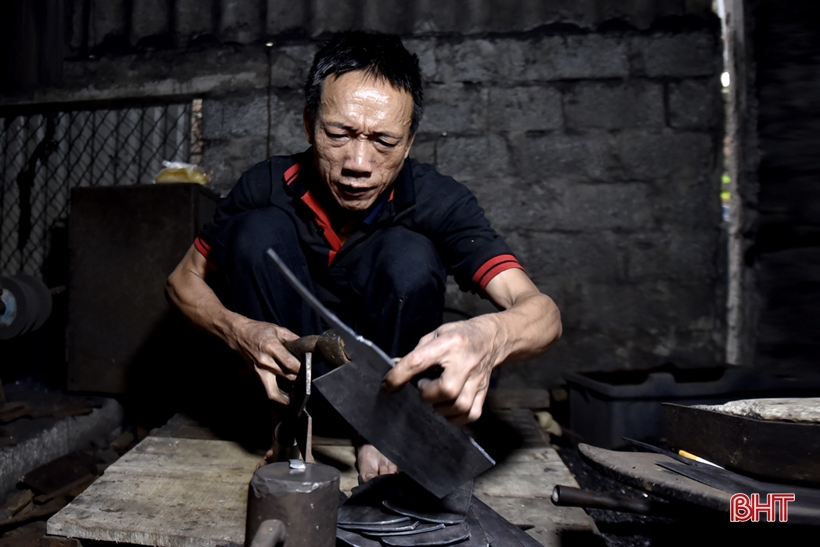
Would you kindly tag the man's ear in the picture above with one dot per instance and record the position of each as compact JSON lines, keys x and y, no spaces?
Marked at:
{"x":309,"y":124}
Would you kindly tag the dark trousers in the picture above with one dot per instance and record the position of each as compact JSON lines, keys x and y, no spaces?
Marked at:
{"x":388,"y":287}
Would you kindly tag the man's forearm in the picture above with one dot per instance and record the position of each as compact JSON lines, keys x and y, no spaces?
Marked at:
{"x":525,"y":330}
{"x":188,"y":291}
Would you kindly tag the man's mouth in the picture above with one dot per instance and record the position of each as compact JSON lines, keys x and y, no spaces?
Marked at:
{"x":354,"y":190}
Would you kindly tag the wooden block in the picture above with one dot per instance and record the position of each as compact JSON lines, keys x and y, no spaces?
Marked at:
{"x":54,"y":541}
{"x":72,"y":489}
{"x":121,"y":443}
{"x":24,"y":536}
{"x":165,"y":491}
{"x":53,"y":477}
{"x":17,"y":501}
{"x":12,"y":411}
{"x":33,"y":512}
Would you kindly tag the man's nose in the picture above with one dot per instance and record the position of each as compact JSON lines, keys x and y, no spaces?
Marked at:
{"x":358,"y":156}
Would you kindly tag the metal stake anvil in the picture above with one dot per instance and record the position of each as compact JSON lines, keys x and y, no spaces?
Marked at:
{"x":296,"y":428}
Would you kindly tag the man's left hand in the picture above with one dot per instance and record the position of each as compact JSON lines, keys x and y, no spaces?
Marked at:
{"x":467,"y":351}
{"x":464,"y":351}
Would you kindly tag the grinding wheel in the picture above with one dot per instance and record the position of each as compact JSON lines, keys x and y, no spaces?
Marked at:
{"x":42,"y":309}
{"x":15,"y":317}
{"x":32,"y":304}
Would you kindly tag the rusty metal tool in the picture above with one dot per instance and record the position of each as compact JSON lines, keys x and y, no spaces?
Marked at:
{"x":296,"y":428}
{"x":421,"y":442}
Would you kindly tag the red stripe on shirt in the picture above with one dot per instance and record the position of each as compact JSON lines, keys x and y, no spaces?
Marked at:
{"x":291,"y":173}
{"x":323,"y":221}
{"x":493,"y":267}
{"x":201,"y":246}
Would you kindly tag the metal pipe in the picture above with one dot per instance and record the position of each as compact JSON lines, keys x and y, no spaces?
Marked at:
{"x":568,"y":496}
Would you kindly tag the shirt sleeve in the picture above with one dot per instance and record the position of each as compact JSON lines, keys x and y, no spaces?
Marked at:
{"x":252,"y":191}
{"x":472,"y":251}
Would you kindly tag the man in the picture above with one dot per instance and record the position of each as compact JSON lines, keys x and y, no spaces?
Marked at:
{"x":374,"y":235}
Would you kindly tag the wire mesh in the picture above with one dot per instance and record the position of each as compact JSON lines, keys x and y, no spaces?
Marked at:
{"x":45,"y":155}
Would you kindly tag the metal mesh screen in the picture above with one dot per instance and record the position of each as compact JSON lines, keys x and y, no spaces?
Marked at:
{"x":45,"y":155}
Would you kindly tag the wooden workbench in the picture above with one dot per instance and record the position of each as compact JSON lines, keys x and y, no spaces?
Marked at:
{"x":185,"y":492}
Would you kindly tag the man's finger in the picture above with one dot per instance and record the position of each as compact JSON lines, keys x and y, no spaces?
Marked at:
{"x":269,"y":365}
{"x":447,"y":388}
{"x":413,"y":364}
{"x":272,"y":388}
{"x":285,"y":359}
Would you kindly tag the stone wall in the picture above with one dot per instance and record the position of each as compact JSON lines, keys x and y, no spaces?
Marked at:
{"x":590,"y":132}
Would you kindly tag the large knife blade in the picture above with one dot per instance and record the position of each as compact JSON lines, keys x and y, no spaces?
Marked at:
{"x":421,"y":442}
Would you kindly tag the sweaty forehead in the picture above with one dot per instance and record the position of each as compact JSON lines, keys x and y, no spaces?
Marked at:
{"x":362,"y":98}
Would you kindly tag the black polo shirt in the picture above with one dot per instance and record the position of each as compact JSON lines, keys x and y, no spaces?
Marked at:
{"x":420,"y":199}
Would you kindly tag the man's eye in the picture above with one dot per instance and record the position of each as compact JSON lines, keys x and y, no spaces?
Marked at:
{"x":335,"y":135}
{"x":387,"y":144}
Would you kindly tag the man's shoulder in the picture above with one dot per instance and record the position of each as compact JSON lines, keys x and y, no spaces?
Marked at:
{"x":271,"y":169}
{"x":263,"y":183}
{"x":430,"y":184}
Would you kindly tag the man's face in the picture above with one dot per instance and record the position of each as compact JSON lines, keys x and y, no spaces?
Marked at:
{"x":360,"y":138}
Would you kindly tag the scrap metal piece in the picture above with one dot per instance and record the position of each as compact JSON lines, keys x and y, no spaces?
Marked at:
{"x":360,"y":515}
{"x":355,"y":540}
{"x":406,"y":429}
{"x":445,"y":536}
{"x":411,"y":500}
{"x":499,"y":530}
{"x":378,"y":529}
{"x":478,"y":538}
{"x":419,"y":529}
{"x":365,"y":502}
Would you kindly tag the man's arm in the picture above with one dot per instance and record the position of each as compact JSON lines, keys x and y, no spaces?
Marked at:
{"x":259,"y":343}
{"x":468,"y":351}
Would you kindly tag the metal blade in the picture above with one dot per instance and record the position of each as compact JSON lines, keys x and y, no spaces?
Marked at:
{"x":433,"y":452}
{"x":421,"y":442}
{"x":353,"y":342}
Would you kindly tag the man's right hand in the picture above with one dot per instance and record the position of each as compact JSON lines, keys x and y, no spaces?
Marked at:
{"x":262,"y":346}
{"x":259,"y":343}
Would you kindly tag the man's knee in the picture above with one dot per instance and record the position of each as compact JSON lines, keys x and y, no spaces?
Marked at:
{"x":254,"y":232}
{"x":408,"y":265}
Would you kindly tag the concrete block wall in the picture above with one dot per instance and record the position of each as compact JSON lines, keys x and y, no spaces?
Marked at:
{"x":590,"y":132}
{"x":597,"y":156}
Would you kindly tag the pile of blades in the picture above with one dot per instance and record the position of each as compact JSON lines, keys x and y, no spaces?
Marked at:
{"x":394,"y":511}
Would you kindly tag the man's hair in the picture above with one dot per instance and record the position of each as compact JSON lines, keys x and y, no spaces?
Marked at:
{"x":379,"y":55}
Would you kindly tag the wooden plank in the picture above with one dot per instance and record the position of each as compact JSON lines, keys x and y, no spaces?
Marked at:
{"x":165,"y":492}
{"x":526,"y":473}
{"x":173,"y":492}
{"x":519,"y":487}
